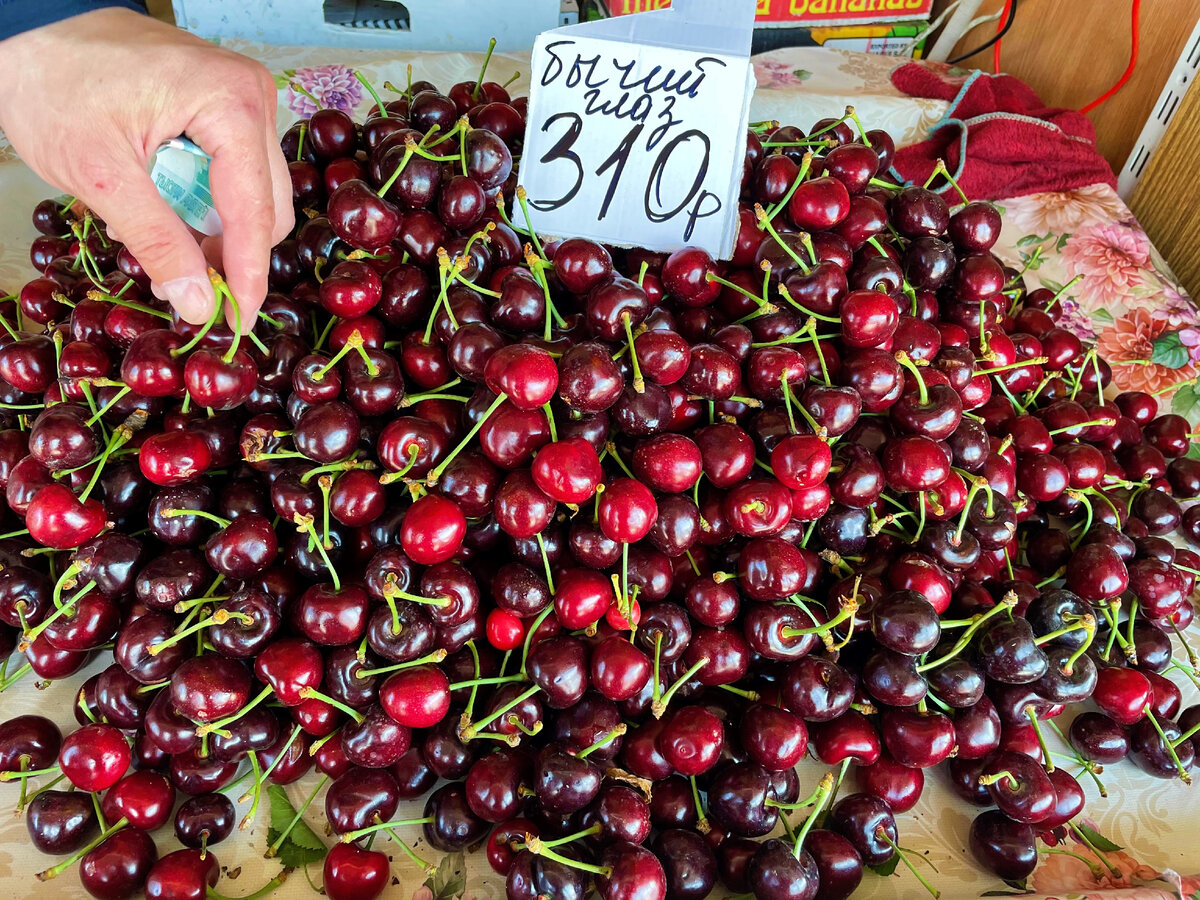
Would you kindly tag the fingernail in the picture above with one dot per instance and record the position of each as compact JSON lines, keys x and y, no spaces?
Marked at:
{"x":192,"y":298}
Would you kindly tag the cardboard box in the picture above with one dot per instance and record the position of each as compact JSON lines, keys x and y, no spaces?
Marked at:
{"x":784,"y":13}
{"x":376,"y":24}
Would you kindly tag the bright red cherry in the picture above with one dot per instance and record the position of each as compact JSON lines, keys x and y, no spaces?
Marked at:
{"x":417,"y":697}
{"x":95,"y":757}
{"x":433,"y":530}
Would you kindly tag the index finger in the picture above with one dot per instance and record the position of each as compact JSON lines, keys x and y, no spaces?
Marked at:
{"x":243,"y":190}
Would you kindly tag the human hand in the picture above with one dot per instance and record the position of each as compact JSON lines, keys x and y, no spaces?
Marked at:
{"x":87,"y":101}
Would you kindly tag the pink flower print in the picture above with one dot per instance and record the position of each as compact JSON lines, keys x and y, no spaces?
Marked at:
{"x":1176,"y":308}
{"x":1063,"y":212}
{"x":772,"y":74}
{"x":1111,"y":258}
{"x":334,"y":85}
{"x":1074,"y":319}
{"x":1085,"y":873}
{"x":423,"y":893}
{"x":1190,"y":338}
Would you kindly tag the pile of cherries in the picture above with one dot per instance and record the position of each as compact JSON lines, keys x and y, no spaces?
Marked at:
{"x":602,"y":541}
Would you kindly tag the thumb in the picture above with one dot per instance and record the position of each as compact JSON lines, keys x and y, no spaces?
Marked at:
{"x":159,"y":240}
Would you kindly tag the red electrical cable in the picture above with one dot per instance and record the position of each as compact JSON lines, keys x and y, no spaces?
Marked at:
{"x":1000,"y":30}
{"x":1133,"y":58}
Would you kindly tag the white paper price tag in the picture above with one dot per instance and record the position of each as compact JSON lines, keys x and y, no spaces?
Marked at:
{"x":636,"y":128}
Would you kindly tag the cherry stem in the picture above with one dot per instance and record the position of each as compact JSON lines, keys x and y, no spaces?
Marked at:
{"x":9,"y":680}
{"x":881,"y":834}
{"x":436,"y":394}
{"x":535,"y":846}
{"x":351,"y":836}
{"x":220,"y":617}
{"x":977,"y":485}
{"x":1041,"y":738}
{"x":344,"y":466}
{"x":522,"y":199}
{"x":1069,"y":667}
{"x":437,"y":471}
{"x":1021,"y":364}
{"x":172,"y":513}
{"x":55,"y":871}
{"x":129,"y":304}
{"x":426,"y":867}
{"x":353,"y":342}
{"x":787,"y":296}
{"x":263,"y":891}
{"x":472,"y":729}
{"x":383,"y":113}
{"x":304,"y":523}
{"x":1187,"y":734}
{"x":817,"y":799}
{"x":435,"y":657}
{"x":1086,"y":622}
{"x":940,"y":169}
{"x":66,"y":581}
{"x":849,"y":606}
{"x":409,"y":150}
{"x":274,"y":848}
{"x":801,"y":174}
{"x":714,"y":277}
{"x":659,"y":707}
{"x":1183,"y":772}
{"x":995,"y":777}
{"x":28,"y":637}
{"x":225,"y":295}
{"x":579,"y":835}
{"x":309,"y":693}
{"x":1061,"y":291}
{"x":482,"y":69}
{"x":1067,"y":428}
{"x":537,"y":623}
{"x":121,"y":435}
{"x":1097,"y":871}
{"x":639,"y":383}
{"x":823,"y":790}
{"x":1099,"y":853}
{"x":23,"y":774}
{"x":495,"y":679}
{"x":545,"y":557}
{"x":1006,"y":604}
{"x":905,"y":360}
{"x":764,"y":224}
{"x":603,"y":742}
{"x":217,"y":726}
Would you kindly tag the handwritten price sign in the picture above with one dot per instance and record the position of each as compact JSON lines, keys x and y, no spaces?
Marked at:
{"x":636,"y":129}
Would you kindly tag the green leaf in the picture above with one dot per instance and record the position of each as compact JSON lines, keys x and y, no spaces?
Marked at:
{"x":888,"y":867}
{"x":1169,"y":351}
{"x":450,"y":879}
{"x":1186,"y":403}
{"x":802,"y":74}
{"x":1031,"y":239}
{"x":302,"y":846}
{"x":1194,"y":453}
{"x":1099,"y":841}
{"x":1102,"y":315}
{"x":1062,"y":241}
{"x":1051,"y":285}
{"x":1018,"y":885}
{"x":281,"y":81}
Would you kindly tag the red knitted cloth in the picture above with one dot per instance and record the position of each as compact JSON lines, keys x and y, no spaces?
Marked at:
{"x":998,"y":139}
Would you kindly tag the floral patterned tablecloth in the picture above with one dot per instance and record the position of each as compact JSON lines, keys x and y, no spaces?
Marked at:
{"x":1125,"y":299}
